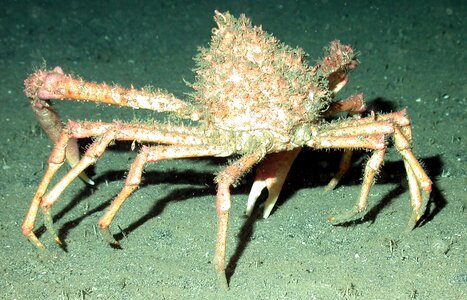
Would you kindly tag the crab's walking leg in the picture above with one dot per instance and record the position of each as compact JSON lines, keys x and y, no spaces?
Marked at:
{"x":344,"y":166}
{"x":357,"y":134}
{"x":416,"y":178}
{"x":131,"y":183}
{"x":56,"y":159}
{"x":50,"y":122}
{"x":146,"y":155}
{"x":373,"y":142}
{"x":95,"y":150}
{"x":353,"y":105}
{"x":224,"y":180}
{"x":270,"y":174}
{"x":372,"y":167}
{"x":104,"y":134}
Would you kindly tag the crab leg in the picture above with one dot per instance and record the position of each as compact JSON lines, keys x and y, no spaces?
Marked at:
{"x":95,"y":150}
{"x":56,"y":85}
{"x":158,"y":133}
{"x":372,"y":167}
{"x":224,"y":180}
{"x":50,"y":122}
{"x":344,"y":166}
{"x":41,"y":86}
{"x":56,"y":159}
{"x":416,"y":176}
{"x":146,"y":155}
{"x":105,"y":133}
{"x":398,"y":118}
{"x":353,"y":105}
{"x":359,"y":134}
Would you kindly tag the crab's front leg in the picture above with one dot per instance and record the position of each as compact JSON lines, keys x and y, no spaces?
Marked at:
{"x":57,"y":85}
{"x":224,"y":180}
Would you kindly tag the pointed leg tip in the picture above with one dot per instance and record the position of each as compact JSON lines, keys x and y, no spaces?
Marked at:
{"x":413,"y":222}
{"x":222,"y":281}
{"x":108,"y":237}
{"x":58,"y":241}
{"x":86,"y":178}
{"x":33,"y":239}
{"x":330,"y":186}
{"x":348,"y":216}
{"x":38,"y":244}
{"x":115,"y":243}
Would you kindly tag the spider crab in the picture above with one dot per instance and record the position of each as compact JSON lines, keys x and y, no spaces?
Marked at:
{"x":254,"y":97}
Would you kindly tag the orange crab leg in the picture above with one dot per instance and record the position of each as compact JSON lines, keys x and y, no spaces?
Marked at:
{"x":56,"y":159}
{"x":372,"y":167}
{"x":50,"y":122}
{"x":56,"y":85}
{"x":105,"y":133}
{"x":398,"y":118}
{"x":170,"y":134}
{"x":416,"y":177}
{"x":353,"y":105}
{"x":344,"y":166}
{"x":224,"y":180}
{"x":147,"y":155}
{"x":92,"y":154}
{"x":354,"y":135}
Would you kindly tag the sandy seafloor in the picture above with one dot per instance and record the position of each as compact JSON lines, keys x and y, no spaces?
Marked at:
{"x":413,"y":54}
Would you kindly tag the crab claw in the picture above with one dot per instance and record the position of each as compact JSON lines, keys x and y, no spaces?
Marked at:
{"x":270,"y":174}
